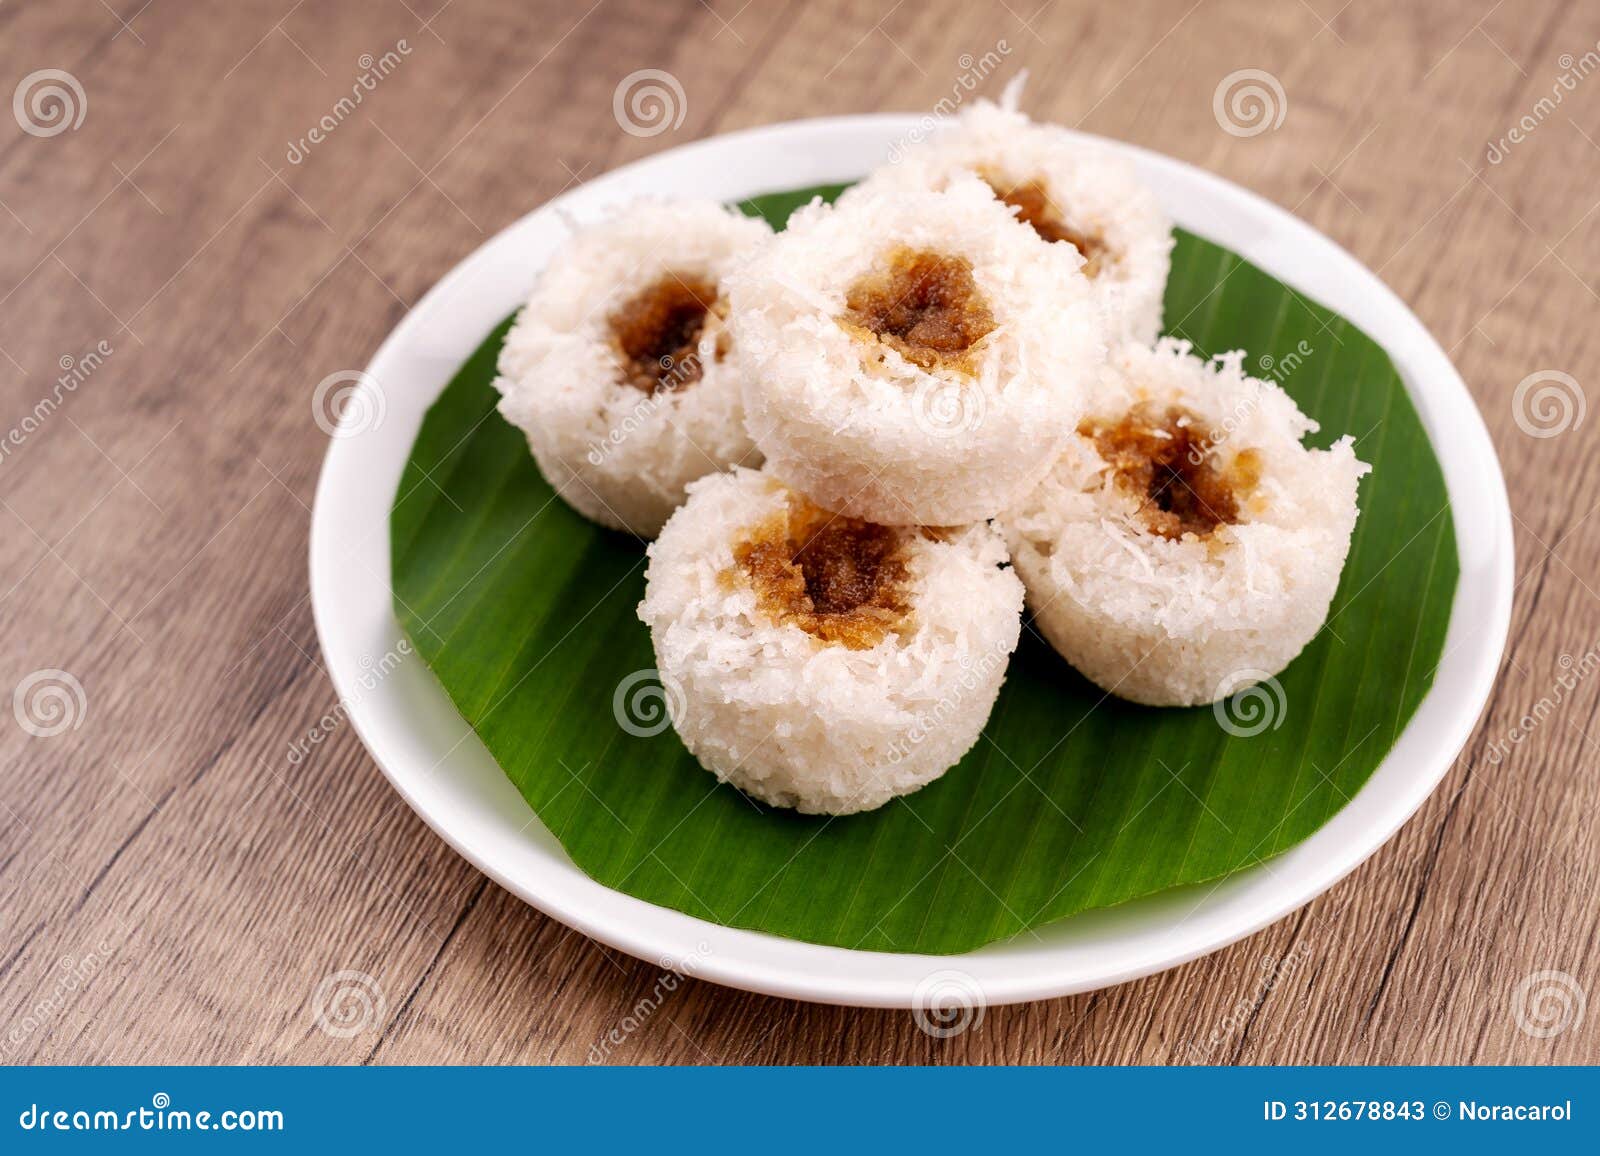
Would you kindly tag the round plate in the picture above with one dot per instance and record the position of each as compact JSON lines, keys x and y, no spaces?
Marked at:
{"x":439,"y":766}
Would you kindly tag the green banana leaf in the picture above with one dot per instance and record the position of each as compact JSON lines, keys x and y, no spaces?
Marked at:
{"x":525,"y":613}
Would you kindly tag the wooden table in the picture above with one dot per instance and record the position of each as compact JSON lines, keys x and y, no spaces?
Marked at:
{"x":175,"y":890}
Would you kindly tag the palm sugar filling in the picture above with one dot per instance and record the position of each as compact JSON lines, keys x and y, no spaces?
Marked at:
{"x":1166,"y":462}
{"x":1036,"y":209}
{"x":657,"y":332}
{"x":924,"y":305}
{"x":841,"y":580}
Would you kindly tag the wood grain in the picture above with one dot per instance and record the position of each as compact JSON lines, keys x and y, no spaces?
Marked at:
{"x":175,"y":890}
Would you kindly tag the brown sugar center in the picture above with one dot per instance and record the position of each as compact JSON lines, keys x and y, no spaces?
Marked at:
{"x":923,"y":304}
{"x":839,"y":579}
{"x":658,"y":329}
{"x":1166,"y":462}
{"x":1035,"y":208}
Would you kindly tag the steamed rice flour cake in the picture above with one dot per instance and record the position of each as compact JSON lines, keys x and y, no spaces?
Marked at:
{"x":820,"y":661}
{"x":1073,"y":192}
{"x":914,"y":357}
{"x":620,"y":369}
{"x":1187,"y":542}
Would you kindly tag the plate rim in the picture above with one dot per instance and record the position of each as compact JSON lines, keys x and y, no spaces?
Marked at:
{"x":820,"y":973}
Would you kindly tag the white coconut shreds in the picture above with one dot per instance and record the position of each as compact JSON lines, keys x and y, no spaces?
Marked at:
{"x":619,"y":453}
{"x":845,"y":416}
{"x":1090,"y":189}
{"x":1181,"y":621}
{"x":798,"y":721}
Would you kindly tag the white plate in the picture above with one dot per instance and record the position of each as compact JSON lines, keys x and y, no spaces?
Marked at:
{"x":448,"y":777}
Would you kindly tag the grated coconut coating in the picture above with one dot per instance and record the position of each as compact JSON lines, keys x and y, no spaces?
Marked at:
{"x":1177,"y":621}
{"x":865,"y":430}
{"x":797,"y":721}
{"x":616,"y":453}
